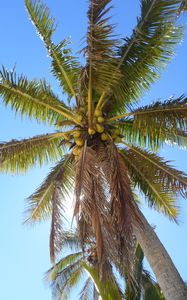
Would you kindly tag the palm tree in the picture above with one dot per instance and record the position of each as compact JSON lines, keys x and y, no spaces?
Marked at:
{"x":76,"y":267}
{"x":101,"y":140}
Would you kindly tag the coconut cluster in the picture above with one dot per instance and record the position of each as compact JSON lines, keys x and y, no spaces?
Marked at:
{"x":100,"y":129}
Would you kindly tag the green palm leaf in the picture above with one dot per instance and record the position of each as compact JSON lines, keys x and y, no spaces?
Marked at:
{"x":40,"y":204}
{"x":170,"y":115}
{"x":64,"y":66}
{"x":33,"y":99}
{"x":19,"y":156}
{"x":108,"y":289}
{"x":160,"y":170}
{"x":157,"y":197}
{"x":148,"y":50}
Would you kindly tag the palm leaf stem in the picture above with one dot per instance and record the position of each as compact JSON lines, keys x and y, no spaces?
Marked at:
{"x":53,"y":55}
{"x":144,"y":112}
{"x":62,"y":111}
{"x":90,"y":104}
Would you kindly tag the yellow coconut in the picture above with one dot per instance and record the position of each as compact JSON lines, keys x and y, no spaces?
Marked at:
{"x":100,"y":119}
{"x":117,"y":140}
{"x":91,"y":131}
{"x":97,"y":113}
{"x":104,"y":137}
{"x":99,"y":128}
{"x":79,"y":142}
{"x":76,"y":151}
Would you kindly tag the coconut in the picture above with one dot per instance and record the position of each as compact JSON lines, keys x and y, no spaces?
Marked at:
{"x":117,"y":140}
{"x":91,"y":131}
{"x":104,"y":137}
{"x":76,"y":151}
{"x":79,"y":142}
{"x":100,"y":119}
{"x":99,"y":128}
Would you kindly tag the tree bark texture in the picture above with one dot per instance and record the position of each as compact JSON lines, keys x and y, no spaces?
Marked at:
{"x":168,"y":277}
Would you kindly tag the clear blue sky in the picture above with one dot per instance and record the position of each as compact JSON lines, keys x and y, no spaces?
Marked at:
{"x":24,"y":254}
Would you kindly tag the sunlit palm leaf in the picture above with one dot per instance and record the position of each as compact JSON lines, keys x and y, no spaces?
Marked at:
{"x":40,"y":204}
{"x":18,"y":156}
{"x":108,"y":289}
{"x":157,"y":196}
{"x":170,"y":115}
{"x":32,"y":98}
{"x":64,"y":66}
{"x":159,"y":170}
{"x":148,"y":50}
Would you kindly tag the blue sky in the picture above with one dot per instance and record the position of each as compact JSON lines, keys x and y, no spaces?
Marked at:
{"x":24,"y":254}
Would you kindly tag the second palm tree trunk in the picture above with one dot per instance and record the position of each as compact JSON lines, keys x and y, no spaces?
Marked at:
{"x":166,"y":273}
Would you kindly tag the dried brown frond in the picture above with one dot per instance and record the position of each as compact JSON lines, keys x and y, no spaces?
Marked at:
{"x":56,"y":225}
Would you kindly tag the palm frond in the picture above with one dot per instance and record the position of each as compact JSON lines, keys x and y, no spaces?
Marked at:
{"x":34,"y":99}
{"x":156,"y":195}
{"x":107,"y":289}
{"x":183,"y":6}
{"x":87,"y":290}
{"x":151,"y":288}
{"x":152,"y":137}
{"x":157,"y":180}
{"x":71,"y":239}
{"x":64,"y":65}
{"x":87,"y":196}
{"x":56,"y":234}
{"x":170,"y":178}
{"x":40,"y":204}
{"x":170,"y":115}
{"x":67,"y":278}
{"x":99,"y":50}
{"x":147,"y":51}
{"x":18,"y":156}
{"x":63,"y":263}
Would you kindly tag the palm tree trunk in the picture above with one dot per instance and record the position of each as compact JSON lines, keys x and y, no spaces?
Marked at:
{"x":167,"y":275}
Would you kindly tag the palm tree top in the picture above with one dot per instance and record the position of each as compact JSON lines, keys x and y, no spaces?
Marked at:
{"x":100,"y":137}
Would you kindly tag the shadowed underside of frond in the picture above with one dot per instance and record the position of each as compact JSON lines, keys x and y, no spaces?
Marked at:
{"x":40,"y":204}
